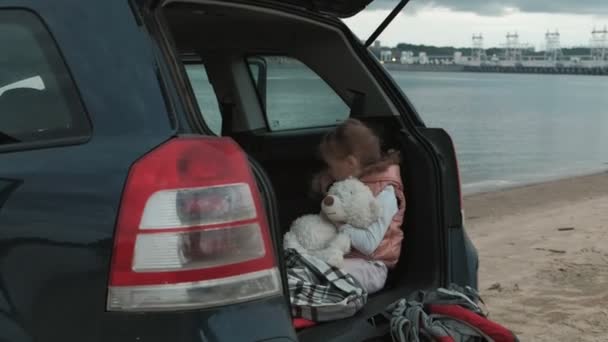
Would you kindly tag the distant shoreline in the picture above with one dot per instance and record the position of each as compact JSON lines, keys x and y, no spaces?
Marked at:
{"x":599,"y":71}
{"x":520,"y":198}
{"x":488,"y":186}
{"x":424,"y":67}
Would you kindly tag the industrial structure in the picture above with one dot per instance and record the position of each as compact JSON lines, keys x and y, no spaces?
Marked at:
{"x":512,"y":56}
{"x":599,"y":44}
{"x":478,"y":53}
{"x":513,"y":48}
{"x":553,"y":50}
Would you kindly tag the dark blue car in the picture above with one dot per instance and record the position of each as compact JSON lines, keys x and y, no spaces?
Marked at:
{"x":153,"y":153}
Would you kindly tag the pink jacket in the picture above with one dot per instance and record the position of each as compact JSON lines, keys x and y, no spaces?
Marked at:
{"x":390,"y":247}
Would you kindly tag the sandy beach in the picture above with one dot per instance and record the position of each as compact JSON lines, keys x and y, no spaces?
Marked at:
{"x":544,"y":257}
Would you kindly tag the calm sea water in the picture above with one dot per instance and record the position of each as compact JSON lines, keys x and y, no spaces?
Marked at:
{"x":509,"y":129}
{"x":515,"y":128}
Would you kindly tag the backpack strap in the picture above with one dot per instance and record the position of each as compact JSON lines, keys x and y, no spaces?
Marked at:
{"x":408,"y":322}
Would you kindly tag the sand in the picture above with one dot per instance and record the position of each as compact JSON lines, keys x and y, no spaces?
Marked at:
{"x":544,"y":257}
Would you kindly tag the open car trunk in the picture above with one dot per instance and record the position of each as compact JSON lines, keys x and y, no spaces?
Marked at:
{"x":290,"y":161}
{"x":229,"y":41}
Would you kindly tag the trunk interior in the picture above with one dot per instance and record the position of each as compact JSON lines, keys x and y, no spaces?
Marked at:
{"x":221,"y":38}
{"x":290,"y":162}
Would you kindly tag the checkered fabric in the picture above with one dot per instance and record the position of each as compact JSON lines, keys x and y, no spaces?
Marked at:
{"x":320,"y":292}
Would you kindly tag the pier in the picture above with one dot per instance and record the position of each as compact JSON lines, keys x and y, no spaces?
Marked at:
{"x":526,"y":69}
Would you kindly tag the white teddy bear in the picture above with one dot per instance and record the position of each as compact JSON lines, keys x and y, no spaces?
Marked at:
{"x":347,"y":202}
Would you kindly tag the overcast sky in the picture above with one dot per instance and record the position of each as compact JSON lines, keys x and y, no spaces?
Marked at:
{"x":453,"y":22}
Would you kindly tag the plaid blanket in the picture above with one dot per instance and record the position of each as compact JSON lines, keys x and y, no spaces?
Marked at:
{"x":320,"y":292}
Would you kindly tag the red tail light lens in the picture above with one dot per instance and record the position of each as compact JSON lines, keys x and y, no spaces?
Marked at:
{"x":191,"y":231}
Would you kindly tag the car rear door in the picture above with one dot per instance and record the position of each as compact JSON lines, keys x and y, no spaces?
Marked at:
{"x":462,"y":260}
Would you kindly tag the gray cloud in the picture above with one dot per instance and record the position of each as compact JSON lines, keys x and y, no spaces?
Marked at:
{"x":497,"y":7}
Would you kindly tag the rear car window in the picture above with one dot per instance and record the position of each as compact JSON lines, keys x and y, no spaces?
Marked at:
{"x":295,"y":97}
{"x":38,"y":99}
{"x":205,"y":96}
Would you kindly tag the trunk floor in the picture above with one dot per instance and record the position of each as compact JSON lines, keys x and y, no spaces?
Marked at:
{"x":359,"y":327}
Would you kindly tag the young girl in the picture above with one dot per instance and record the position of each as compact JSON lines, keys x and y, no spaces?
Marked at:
{"x":353,"y":150}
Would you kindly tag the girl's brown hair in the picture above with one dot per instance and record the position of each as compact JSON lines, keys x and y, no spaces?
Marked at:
{"x":353,"y":137}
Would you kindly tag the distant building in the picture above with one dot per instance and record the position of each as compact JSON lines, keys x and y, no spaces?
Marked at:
{"x":377,"y":44}
{"x":407,"y":57}
{"x":423,"y":58}
{"x":459,"y":58}
{"x":386,"y":55}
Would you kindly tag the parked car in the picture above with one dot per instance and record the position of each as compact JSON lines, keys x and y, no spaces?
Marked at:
{"x":153,"y":153}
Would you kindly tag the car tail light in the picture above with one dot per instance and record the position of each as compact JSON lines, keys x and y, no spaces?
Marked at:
{"x":191,"y":231}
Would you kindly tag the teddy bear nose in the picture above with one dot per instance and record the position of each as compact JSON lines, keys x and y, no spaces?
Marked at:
{"x":329,"y":200}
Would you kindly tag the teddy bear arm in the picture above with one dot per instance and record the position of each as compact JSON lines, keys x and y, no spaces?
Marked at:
{"x":341,"y":243}
{"x":331,"y":256}
{"x":291,"y":242}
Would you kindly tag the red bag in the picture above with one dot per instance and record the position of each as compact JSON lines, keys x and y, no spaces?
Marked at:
{"x":459,"y":315}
